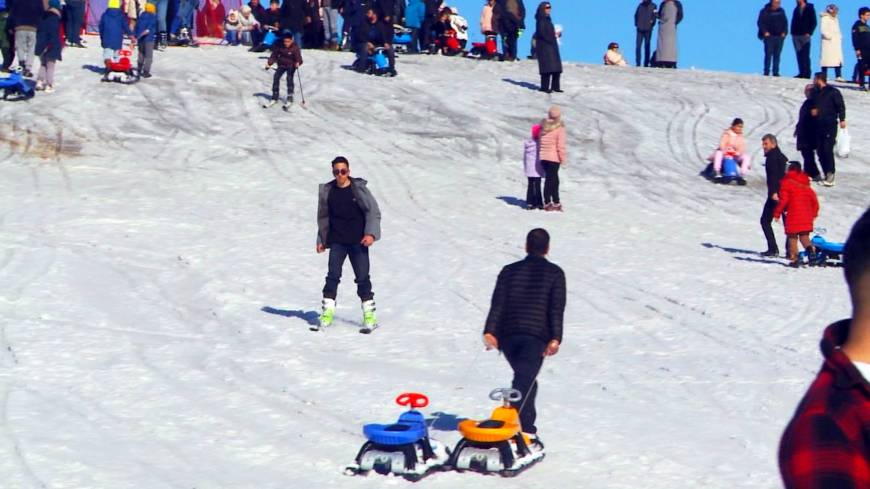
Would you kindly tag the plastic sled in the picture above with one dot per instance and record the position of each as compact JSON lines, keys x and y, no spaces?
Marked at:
{"x":122,"y":65}
{"x":401,"y":39}
{"x":485,"y":50}
{"x":730,"y":173}
{"x":15,"y":84}
{"x":496,"y":445}
{"x":402,"y":448}
{"x":827,"y":253}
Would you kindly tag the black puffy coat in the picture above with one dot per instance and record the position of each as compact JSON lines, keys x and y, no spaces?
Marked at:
{"x":48,"y":36}
{"x":546,"y":44}
{"x":293,"y":13}
{"x":805,"y":131}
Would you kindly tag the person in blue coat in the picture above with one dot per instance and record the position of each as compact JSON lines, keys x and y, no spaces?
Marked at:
{"x":414,"y":16}
{"x":146,"y":36}
{"x":48,"y":46}
{"x":113,"y":27}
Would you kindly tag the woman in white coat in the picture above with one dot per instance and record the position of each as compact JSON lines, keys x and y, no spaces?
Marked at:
{"x":832,"y":42}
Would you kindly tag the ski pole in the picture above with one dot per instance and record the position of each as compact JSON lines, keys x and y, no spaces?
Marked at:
{"x":301,"y":91}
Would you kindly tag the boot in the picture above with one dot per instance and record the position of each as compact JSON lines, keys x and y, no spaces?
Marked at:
{"x":161,"y":41}
{"x":370,"y":323}
{"x":327,"y":314}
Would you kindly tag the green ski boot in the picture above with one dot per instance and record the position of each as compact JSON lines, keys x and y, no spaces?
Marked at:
{"x":370,"y":323}
{"x":327,"y":315}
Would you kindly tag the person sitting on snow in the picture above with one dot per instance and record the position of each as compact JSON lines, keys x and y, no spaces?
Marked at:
{"x":613,"y":57}
{"x":248,"y":24}
{"x":232,"y":28}
{"x":372,"y":34}
{"x":732,"y":145}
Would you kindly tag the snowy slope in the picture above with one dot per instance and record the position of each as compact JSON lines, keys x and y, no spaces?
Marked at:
{"x":158,"y":274}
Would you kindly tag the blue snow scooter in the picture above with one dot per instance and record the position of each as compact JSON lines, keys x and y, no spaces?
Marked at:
{"x":402,"y":448}
{"x":827,"y":253}
{"x":15,"y":84}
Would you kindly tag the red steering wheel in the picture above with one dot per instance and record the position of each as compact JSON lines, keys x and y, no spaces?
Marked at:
{"x":412,"y":399}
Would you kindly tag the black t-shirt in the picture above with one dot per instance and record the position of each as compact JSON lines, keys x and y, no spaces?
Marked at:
{"x":347,"y":222}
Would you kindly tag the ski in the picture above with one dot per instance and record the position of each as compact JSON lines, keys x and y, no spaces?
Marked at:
{"x":269,"y":104}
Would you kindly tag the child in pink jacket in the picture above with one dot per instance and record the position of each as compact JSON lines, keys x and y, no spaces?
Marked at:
{"x":533,"y":169}
{"x":553,"y":156}
{"x":732,"y":145}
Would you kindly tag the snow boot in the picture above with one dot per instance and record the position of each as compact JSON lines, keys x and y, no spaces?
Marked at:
{"x":370,"y":323}
{"x":327,"y":314}
{"x":161,"y":41}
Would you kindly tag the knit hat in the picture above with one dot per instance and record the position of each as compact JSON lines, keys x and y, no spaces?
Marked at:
{"x":114,"y":4}
{"x":151,"y":8}
{"x":536,"y":131}
{"x":554,"y":113}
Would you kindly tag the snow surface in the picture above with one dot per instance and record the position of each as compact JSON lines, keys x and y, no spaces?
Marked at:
{"x":158,"y":274}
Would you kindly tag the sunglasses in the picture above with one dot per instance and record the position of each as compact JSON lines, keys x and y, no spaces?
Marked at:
{"x":343,"y":171}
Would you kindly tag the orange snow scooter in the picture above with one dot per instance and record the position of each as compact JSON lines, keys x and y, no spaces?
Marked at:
{"x":496,"y":445}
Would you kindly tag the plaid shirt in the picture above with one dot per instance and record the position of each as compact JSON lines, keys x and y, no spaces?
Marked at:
{"x":827,"y":443}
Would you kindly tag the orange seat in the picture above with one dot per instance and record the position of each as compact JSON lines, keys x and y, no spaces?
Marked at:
{"x":502,"y":426}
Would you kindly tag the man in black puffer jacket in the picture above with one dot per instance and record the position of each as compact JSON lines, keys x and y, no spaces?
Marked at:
{"x":525,"y":319}
{"x":774,"y":165}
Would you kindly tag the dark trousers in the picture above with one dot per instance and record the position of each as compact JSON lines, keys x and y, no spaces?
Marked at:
{"x":826,"y":142}
{"x":426,"y":38}
{"x":533,"y":193}
{"x":276,"y":82}
{"x":509,"y":42}
{"x":772,"y":52}
{"x":75,"y":17}
{"x":838,"y":71}
{"x":551,"y":184}
{"x":551,"y":82}
{"x":359,"y":260}
{"x":525,"y":354}
{"x":809,"y":157}
{"x":802,"y":51}
{"x":643,"y":39}
{"x":146,"y":56}
{"x":414,"y":47}
{"x":861,"y":72}
{"x":767,"y":227}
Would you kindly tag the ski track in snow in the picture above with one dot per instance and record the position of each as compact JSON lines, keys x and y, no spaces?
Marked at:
{"x":158,"y":274}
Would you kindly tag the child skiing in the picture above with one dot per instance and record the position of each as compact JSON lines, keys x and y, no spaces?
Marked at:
{"x":288,"y":57}
{"x":113,"y":27}
{"x":534,"y":170}
{"x":798,"y":200}
{"x":48,"y":46}
{"x":146,"y":33}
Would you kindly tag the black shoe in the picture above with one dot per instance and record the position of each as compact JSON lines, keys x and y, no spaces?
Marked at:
{"x":794,"y":264}
{"x":545,"y":90}
{"x":770,"y":254}
{"x":558,"y":90}
{"x":146,"y":75}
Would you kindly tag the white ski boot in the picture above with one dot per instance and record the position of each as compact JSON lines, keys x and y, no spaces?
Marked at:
{"x":370,"y":323}
{"x":327,"y":315}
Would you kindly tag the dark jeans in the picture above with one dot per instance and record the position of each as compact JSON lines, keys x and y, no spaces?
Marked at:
{"x":426,"y":37}
{"x":643,"y":39}
{"x":414,"y":47}
{"x":276,"y":83}
{"x":551,"y":82}
{"x":551,"y":184}
{"x":146,"y":56}
{"x":509,"y":42}
{"x":75,"y":16}
{"x":772,"y":52}
{"x":359,"y":260}
{"x":838,"y":71}
{"x":533,"y":193}
{"x":861,"y":72}
{"x":802,"y":51}
{"x":827,"y":140}
{"x":525,"y":354}
{"x":809,"y":157}
{"x":766,"y":226}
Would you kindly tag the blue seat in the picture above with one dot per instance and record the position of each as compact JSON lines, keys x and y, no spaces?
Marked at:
{"x":15,"y":83}
{"x":730,"y":168}
{"x":410,"y":428}
{"x":825,"y":245}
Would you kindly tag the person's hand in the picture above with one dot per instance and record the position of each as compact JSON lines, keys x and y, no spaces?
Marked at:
{"x":766,"y":34}
{"x":490,"y":342}
{"x":814,"y":112}
{"x":320,"y":248}
{"x":552,"y":348}
{"x":307,"y":20}
{"x":268,"y":67}
{"x":367,"y":240}
{"x":842,"y":124}
{"x":775,"y":197}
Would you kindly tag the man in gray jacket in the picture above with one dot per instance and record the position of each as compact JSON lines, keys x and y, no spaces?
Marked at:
{"x":644,"y":20}
{"x":348,"y":222}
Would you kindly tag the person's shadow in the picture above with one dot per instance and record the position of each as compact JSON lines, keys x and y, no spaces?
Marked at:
{"x":94,"y":68}
{"x":512,"y":201}
{"x":738,"y":251}
{"x":310,"y":317}
{"x":523,"y":84}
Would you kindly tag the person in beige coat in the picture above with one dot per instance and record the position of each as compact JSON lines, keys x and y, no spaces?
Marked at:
{"x":832,"y":42}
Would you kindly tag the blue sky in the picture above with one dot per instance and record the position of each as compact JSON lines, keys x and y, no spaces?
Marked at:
{"x":716,"y":35}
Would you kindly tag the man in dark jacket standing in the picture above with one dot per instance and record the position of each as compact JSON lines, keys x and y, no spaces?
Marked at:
{"x":525,"y":319}
{"x":825,"y":444}
{"x":774,"y":165}
{"x":828,"y":111}
{"x":348,"y":224}
{"x":644,"y":21}
{"x":803,"y":25}
{"x":805,"y":133}
{"x":772,"y":29}
{"x":861,"y":43}
{"x":511,"y":15}
{"x":294,"y":16}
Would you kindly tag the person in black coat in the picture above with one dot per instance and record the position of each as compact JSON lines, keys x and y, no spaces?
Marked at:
{"x":48,"y":46}
{"x":774,"y":165}
{"x":805,"y":133}
{"x":429,"y":20}
{"x":294,"y":16}
{"x":861,"y":43}
{"x":828,"y":110}
{"x":803,"y":25}
{"x":511,"y":15}
{"x":772,"y":29}
{"x":371,"y":34}
{"x":549,"y":59}
{"x":7,"y":35}
{"x":525,"y":319}
{"x":644,"y":21}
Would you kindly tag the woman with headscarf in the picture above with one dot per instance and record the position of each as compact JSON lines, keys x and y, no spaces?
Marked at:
{"x":553,"y":156}
{"x":547,"y":50}
{"x":832,"y":42}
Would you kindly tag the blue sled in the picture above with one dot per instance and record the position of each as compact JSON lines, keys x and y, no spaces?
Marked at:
{"x":827,"y":252}
{"x":14,"y":83}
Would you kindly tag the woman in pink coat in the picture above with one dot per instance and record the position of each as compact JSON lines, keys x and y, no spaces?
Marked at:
{"x":732,"y":145}
{"x":553,"y":156}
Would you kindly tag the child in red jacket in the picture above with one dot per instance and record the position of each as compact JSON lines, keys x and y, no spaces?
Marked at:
{"x":798,"y":200}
